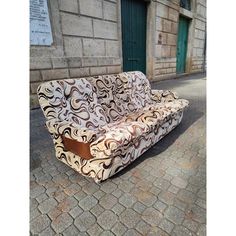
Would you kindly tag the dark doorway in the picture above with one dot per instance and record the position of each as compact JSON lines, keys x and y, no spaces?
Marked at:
{"x":133,"y":21}
{"x":182,"y":44}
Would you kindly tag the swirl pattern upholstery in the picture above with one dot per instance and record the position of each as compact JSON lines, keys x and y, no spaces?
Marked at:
{"x":118,"y":116}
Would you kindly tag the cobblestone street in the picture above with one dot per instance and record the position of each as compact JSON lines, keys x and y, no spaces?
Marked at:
{"x":162,"y":193}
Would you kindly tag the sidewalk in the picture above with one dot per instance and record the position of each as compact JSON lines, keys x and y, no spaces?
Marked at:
{"x":162,"y":193}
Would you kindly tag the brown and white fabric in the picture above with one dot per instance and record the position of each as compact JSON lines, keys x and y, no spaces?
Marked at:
{"x":118,"y":115}
{"x":111,"y":94}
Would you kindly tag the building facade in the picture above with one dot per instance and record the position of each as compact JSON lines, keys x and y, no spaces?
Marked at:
{"x":162,"y":38}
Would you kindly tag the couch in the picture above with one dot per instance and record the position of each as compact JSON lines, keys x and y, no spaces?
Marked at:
{"x":101,"y":124}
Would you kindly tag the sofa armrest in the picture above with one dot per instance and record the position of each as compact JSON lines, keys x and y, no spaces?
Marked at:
{"x":163,"y":95}
{"x":71,"y":130}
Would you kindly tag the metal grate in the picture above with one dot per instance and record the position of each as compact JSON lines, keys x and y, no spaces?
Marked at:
{"x":185,"y":4}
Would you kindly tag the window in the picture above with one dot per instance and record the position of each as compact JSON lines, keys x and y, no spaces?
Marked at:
{"x":185,"y":4}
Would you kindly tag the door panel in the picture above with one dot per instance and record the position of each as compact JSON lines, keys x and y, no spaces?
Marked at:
{"x":182,"y":44}
{"x":134,"y":18}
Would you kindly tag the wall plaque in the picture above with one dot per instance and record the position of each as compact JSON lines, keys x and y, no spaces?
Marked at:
{"x":40,"y":27}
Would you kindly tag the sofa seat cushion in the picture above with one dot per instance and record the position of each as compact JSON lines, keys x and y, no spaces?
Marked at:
{"x":173,"y":106}
{"x":116,"y":135}
{"x":156,"y":114}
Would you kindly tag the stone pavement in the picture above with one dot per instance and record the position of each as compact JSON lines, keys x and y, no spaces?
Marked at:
{"x":162,"y":193}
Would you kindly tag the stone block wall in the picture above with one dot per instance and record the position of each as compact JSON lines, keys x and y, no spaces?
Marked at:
{"x":198,"y":55}
{"x":87,"y":40}
{"x":167,"y":14}
{"x":86,"y":43}
{"x":166,"y":34}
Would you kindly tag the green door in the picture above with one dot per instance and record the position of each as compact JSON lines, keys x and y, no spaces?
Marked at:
{"x":182,"y":44}
{"x":134,"y":19}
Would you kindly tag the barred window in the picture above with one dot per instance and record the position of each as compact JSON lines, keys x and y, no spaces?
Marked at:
{"x":185,"y":4}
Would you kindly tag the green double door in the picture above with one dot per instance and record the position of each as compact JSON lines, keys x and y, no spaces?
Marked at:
{"x":134,"y":20}
{"x":182,"y":44}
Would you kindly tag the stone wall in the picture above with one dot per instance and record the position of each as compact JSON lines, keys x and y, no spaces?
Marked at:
{"x":166,"y":33}
{"x":167,"y":14}
{"x":198,"y":55}
{"x":87,"y":40}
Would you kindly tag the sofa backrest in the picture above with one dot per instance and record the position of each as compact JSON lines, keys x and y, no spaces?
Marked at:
{"x":122,"y":93}
{"x":138,"y":89}
{"x":110,"y":91}
{"x":72,"y":100}
{"x":95,"y":100}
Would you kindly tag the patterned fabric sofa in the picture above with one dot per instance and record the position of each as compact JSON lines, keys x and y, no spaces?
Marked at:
{"x":101,"y":124}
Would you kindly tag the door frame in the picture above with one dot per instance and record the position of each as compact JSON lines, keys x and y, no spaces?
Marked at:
{"x":190,"y":45}
{"x":150,"y":36}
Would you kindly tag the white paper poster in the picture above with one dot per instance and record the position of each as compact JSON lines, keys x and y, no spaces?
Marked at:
{"x":40,"y":27}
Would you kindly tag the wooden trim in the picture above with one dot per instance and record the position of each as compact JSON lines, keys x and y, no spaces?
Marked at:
{"x":78,"y":148}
